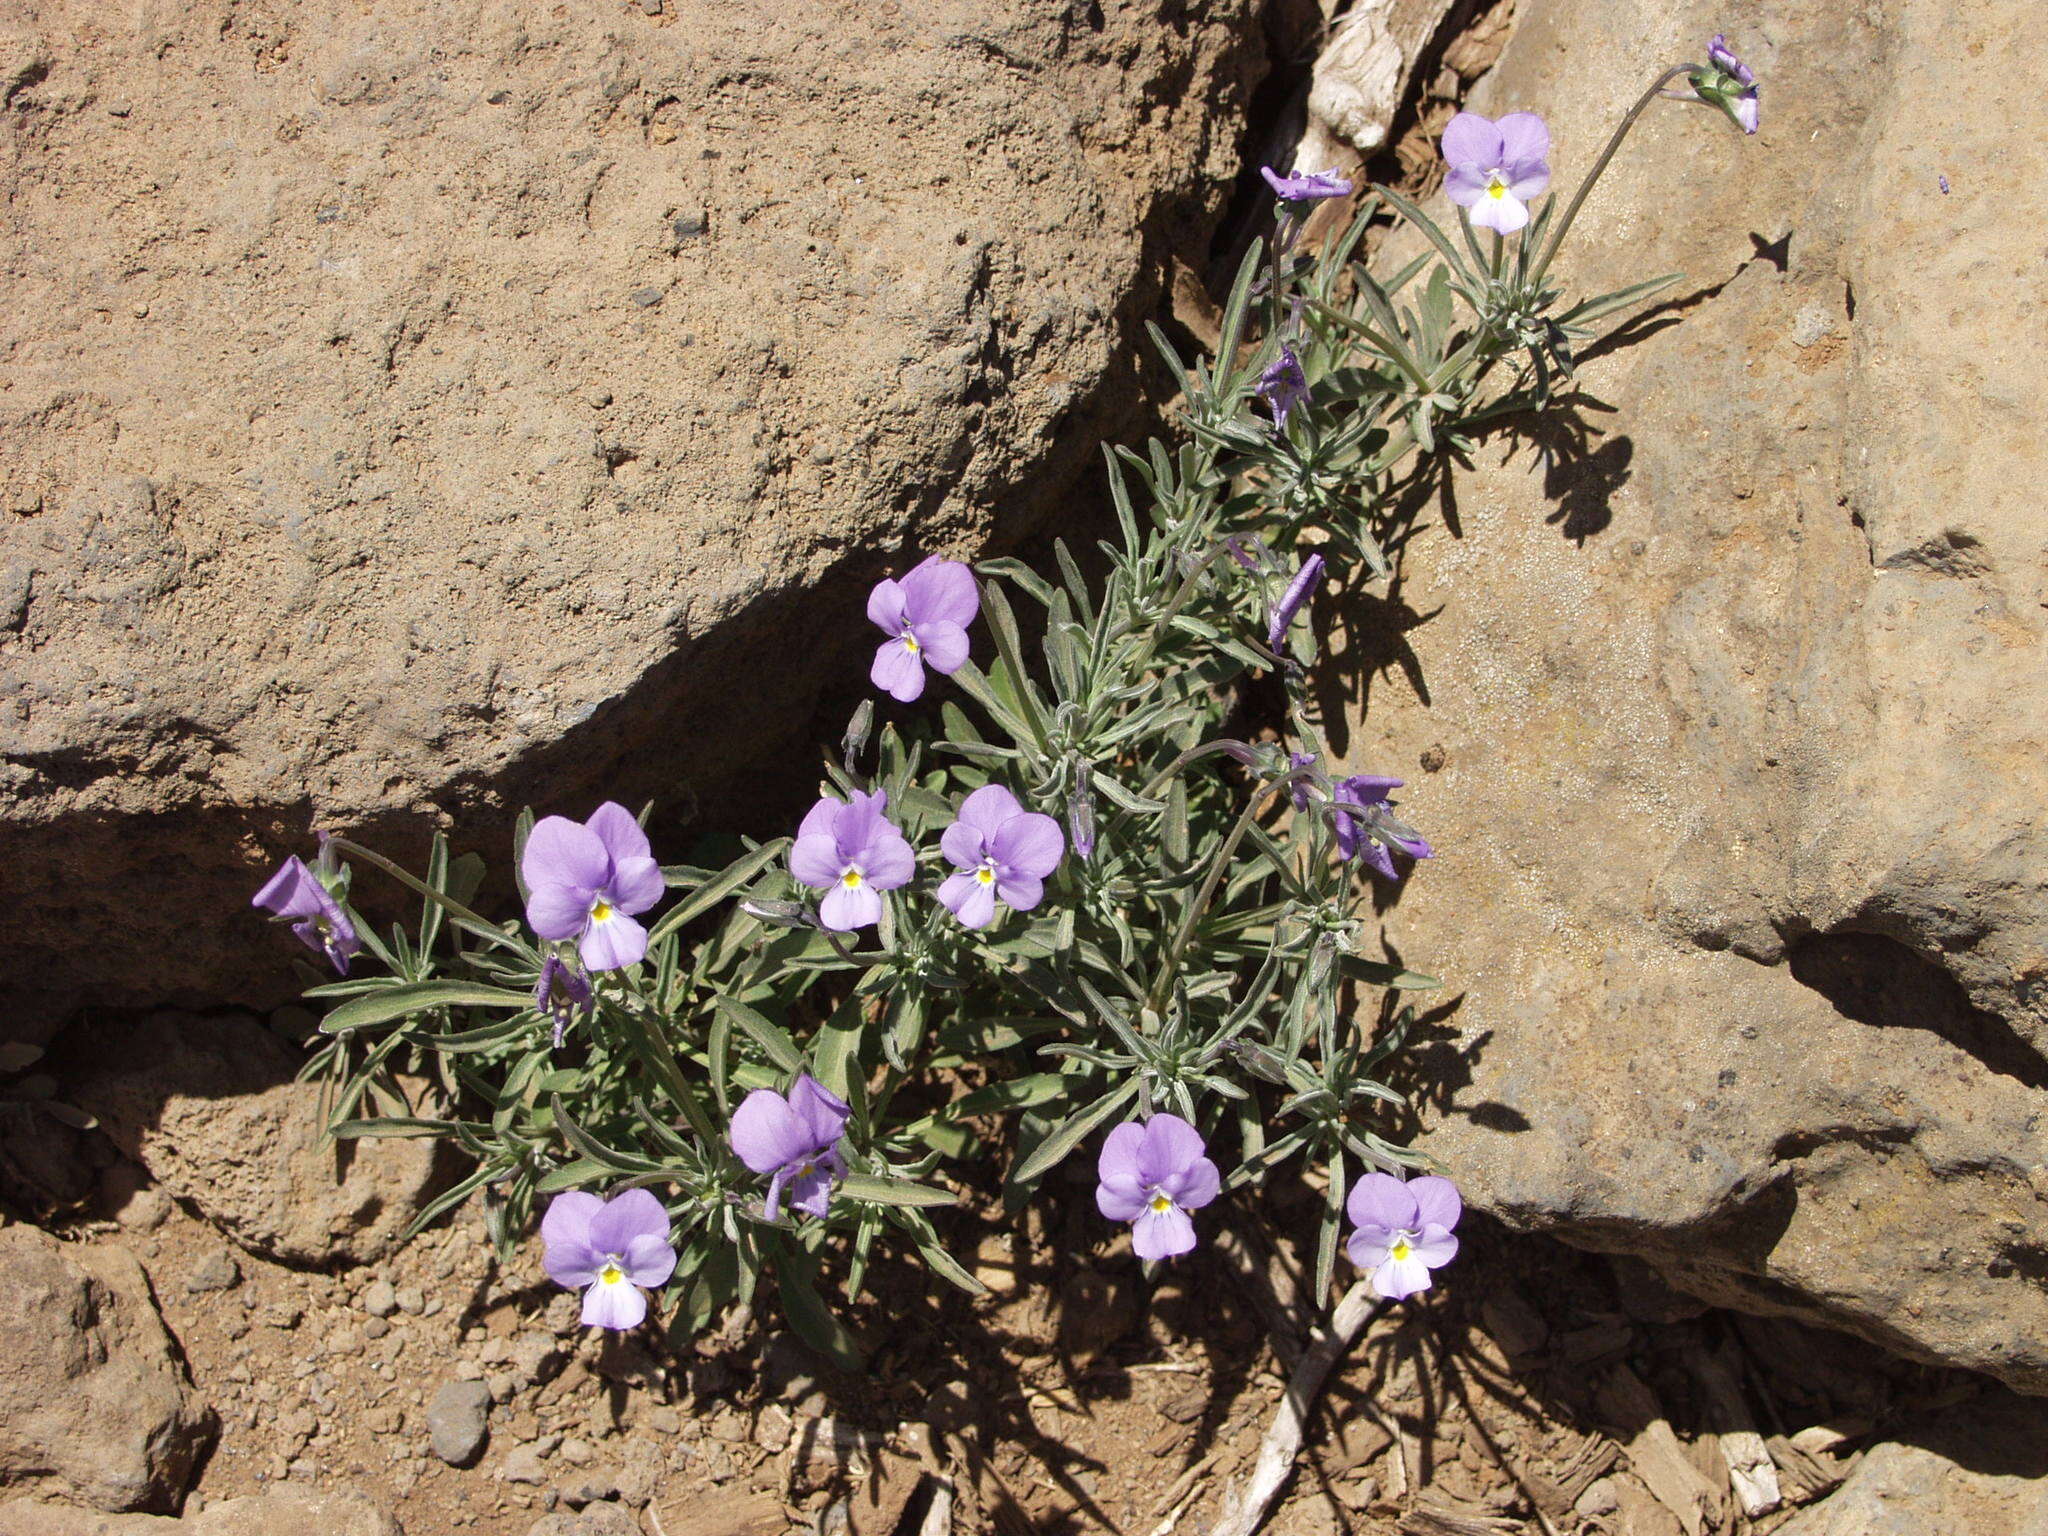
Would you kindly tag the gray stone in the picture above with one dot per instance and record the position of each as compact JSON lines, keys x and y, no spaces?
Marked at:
{"x":218,"y":1271}
{"x":1739,"y":710}
{"x":380,"y":1298}
{"x":1982,"y":1470}
{"x":458,"y":1419}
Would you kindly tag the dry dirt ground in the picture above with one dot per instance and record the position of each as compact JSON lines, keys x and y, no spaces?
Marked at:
{"x":1538,"y":1389}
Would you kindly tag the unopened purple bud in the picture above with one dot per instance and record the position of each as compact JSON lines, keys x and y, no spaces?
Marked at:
{"x":1283,"y":385}
{"x":1241,"y":554}
{"x":562,"y":992}
{"x":1299,"y":790}
{"x":1729,"y":84}
{"x":1305,"y":186}
{"x":1723,"y":58}
{"x":1081,"y":814}
{"x":1291,"y":600}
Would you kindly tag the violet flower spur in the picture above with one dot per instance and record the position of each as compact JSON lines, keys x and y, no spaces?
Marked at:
{"x":1369,"y":793}
{"x":563,"y":992}
{"x":588,"y":880}
{"x":1283,"y":385}
{"x":323,"y":926}
{"x":925,"y":615}
{"x":1152,"y":1175}
{"x":1291,"y":600}
{"x":1305,"y":186}
{"x":1404,"y":1230}
{"x":999,"y":850}
{"x":614,"y":1249}
{"x":853,"y":853}
{"x":795,"y":1138}
{"x":1497,"y":167}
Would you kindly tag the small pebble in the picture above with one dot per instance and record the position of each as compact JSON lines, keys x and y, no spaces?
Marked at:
{"x":219,"y":1272}
{"x":458,"y":1420}
{"x":380,"y":1298}
{"x":578,"y":1453}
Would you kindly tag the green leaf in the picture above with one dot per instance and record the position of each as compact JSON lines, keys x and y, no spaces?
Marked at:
{"x":771,"y":1037}
{"x":390,"y":1003}
{"x":1069,"y":1133}
{"x":736,"y":874}
{"x":815,"y":1325}
{"x":879,"y":1191}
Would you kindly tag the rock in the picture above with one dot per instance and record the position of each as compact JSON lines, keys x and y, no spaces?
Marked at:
{"x":379,"y":1298}
{"x":1738,"y":709}
{"x":129,"y":1198}
{"x":1983,"y":1470}
{"x":95,"y":1402}
{"x":597,"y":1520}
{"x":458,"y":1419}
{"x":871,"y":335}
{"x":523,"y":1464}
{"x":589,"y":1488}
{"x":218,"y":1271}
{"x":209,"y":1107}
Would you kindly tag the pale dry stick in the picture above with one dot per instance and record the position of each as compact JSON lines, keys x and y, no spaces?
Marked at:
{"x":938,"y":1517}
{"x":1290,"y":1420}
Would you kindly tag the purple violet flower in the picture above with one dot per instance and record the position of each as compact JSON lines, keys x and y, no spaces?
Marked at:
{"x":562,"y":991}
{"x":999,"y":850}
{"x":1283,"y":385}
{"x":588,"y":880}
{"x":795,"y":1138}
{"x":615,"y":1249}
{"x":1732,"y":87}
{"x":1497,"y":167}
{"x":323,"y":926}
{"x":1354,"y":830}
{"x":1305,"y":186}
{"x":1291,"y":600}
{"x":1152,"y":1175}
{"x":1299,"y":792}
{"x":925,"y":615}
{"x":853,"y":853}
{"x":1404,"y":1230}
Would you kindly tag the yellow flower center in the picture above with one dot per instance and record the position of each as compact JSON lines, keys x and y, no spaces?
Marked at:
{"x":910,"y":643}
{"x":1495,"y":186}
{"x":611,"y":1274}
{"x":1161,"y":1204}
{"x":1400,"y":1250}
{"x":601,"y":912}
{"x":985,"y":875}
{"x":851,"y":879}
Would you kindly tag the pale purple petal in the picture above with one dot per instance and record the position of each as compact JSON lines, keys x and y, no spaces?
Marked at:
{"x":811,"y":1192}
{"x":988,"y":808}
{"x":941,"y":590}
{"x":563,"y":852}
{"x":1022,"y":892}
{"x":636,"y":885}
{"x":565,"y":1237}
{"x":1381,"y":1200}
{"x":772,"y":1205}
{"x":559,"y":911}
{"x":614,"y":826}
{"x":620,"y":1305}
{"x":1366,"y":789}
{"x":1506,"y":214}
{"x":649,"y":1261}
{"x":944,"y":642}
{"x":631,"y":1213}
{"x":885,"y":607}
{"x":1369,"y":1247}
{"x":814,"y":858}
{"x":1122,"y":1151}
{"x":1470,"y":139}
{"x":1527,"y":178}
{"x":819,"y":818}
{"x":1030,"y":844}
{"x":766,"y":1133}
{"x":1171,"y":1147}
{"x":898,"y":671}
{"x":292,"y":892}
{"x":1194,"y":1186}
{"x":1375,"y":855}
{"x":968,"y":899}
{"x":843,"y":910}
{"x":1437,"y":1202}
{"x":1162,"y":1234}
{"x":1120,"y":1197}
{"x":963,"y":845}
{"x":890,"y":862}
{"x":1398,"y":1278}
{"x":821,"y":1113}
{"x":1465,"y":184}
{"x":1523,"y":136}
{"x":1435,"y":1247}
{"x":617,"y":941}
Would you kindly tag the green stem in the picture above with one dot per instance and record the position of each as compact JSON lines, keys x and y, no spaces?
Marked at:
{"x":1599,"y":166}
{"x":1207,"y":893}
{"x":483,"y":928}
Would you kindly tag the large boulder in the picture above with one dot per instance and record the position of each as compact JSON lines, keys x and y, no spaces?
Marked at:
{"x":412,"y":411}
{"x":211,"y":1108}
{"x":95,"y":1402}
{"x":1728,"y":718}
{"x":275,"y":1512}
